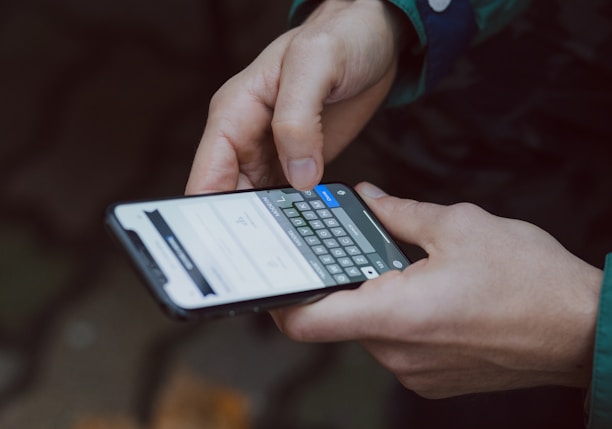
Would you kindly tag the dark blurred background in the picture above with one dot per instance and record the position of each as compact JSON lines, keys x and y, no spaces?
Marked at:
{"x":105,"y":101}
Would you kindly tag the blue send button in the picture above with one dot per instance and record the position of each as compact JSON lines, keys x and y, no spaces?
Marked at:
{"x":326,"y":196}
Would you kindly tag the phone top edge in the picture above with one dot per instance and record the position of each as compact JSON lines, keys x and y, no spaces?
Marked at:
{"x":110,"y":208}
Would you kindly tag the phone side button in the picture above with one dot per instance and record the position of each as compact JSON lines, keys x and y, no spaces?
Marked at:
{"x":231,"y":313}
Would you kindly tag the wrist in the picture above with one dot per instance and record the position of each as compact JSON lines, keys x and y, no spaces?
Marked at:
{"x":584,"y":310}
{"x":404,"y":34}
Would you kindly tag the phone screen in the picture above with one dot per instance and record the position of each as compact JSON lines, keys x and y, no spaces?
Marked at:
{"x":212,"y":250}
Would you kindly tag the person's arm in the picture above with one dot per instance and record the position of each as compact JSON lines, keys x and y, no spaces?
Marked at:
{"x":497,"y":304}
{"x":445,"y":29}
{"x":600,"y":409}
{"x":312,"y":90}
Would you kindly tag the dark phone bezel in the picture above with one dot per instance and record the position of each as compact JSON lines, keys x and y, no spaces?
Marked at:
{"x":220,"y":310}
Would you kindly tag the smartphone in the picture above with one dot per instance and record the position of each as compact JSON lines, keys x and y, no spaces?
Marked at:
{"x":247,"y":251}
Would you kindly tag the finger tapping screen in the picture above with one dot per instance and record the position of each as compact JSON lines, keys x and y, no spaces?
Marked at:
{"x":222,"y":248}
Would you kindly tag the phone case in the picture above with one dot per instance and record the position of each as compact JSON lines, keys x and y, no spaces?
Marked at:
{"x":154,"y":278}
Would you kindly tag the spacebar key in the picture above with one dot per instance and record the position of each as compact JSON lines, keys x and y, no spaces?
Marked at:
{"x":352,"y":229}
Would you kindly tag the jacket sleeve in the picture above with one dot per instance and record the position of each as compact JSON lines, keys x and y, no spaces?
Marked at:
{"x":600,"y":412}
{"x":444,"y":28}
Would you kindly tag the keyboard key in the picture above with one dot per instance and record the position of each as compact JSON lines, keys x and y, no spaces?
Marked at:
{"x":283,"y":200}
{"x":309,"y":215}
{"x":338,"y":232}
{"x":326,"y":259}
{"x":317,"y":204}
{"x":354,"y":232}
{"x":345,"y":241}
{"x":291,"y":212}
{"x":312,"y":240}
{"x":302,"y":206}
{"x":378,"y":262}
{"x":369,"y":272}
{"x":324,"y":213}
{"x":331,"y":222}
{"x":298,"y":221}
{"x":334,"y":269}
{"x":345,"y":262}
{"x":319,"y":250}
{"x":341,"y":278}
{"x":352,"y":250}
{"x":330,"y":243}
{"x":353,"y":271}
{"x":360,"y":260}
{"x":316,"y":224}
{"x":304,"y":231}
{"x":324,"y":233}
{"x":337,"y":252}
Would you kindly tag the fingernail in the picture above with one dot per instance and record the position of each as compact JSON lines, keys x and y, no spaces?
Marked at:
{"x":302,"y":172}
{"x":371,"y":191}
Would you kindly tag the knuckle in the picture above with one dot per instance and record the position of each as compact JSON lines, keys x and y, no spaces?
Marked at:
{"x":308,"y":41}
{"x":227,"y":93}
{"x":465,"y":210}
{"x":463,"y":216}
{"x":297,"y":137}
{"x":219,"y":96}
{"x":215,"y":100}
{"x":287,"y":128}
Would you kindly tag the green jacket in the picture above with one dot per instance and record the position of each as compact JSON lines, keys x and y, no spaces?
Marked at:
{"x":600,"y":415}
{"x":443,"y":36}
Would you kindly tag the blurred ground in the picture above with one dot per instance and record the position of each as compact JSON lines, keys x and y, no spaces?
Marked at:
{"x":106,"y":101}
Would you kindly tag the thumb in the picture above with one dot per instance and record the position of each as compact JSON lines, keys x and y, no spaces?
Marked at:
{"x":407,"y":220}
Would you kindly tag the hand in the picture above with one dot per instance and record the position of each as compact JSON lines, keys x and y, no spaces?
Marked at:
{"x":497,"y":304}
{"x":302,"y":100}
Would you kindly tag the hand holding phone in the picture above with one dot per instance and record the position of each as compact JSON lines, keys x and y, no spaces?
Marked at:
{"x":225,"y":253}
{"x":496,"y":304}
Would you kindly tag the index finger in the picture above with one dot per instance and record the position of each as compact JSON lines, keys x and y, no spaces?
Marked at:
{"x":236,"y":125}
